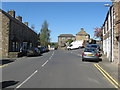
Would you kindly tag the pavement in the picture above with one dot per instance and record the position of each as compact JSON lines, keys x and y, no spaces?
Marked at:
{"x":110,"y":67}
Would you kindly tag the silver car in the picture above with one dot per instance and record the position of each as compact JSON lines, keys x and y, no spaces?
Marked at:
{"x":90,"y":54}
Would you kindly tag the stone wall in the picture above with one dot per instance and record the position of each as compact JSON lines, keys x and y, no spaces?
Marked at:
{"x":116,"y":7}
{"x":0,"y":35}
{"x":62,"y":40}
{"x":14,"y":31}
{"x":5,"y":35}
{"x":82,"y":37}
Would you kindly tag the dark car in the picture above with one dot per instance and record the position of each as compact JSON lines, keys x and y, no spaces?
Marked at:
{"x":42,"y":50}
{"x":23,"y":52}
{"x":46,"y":49}
{"x":93,"y":46}
{"x":33,"y":51}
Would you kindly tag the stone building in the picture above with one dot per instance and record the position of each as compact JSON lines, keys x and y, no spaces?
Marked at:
{"x":15,"y":34}
{"x":82,"y":35}
{"x":116,"y":6}
{"x":62,"y":38}
{"x":111,"y":33}
{"x":108,"y":35}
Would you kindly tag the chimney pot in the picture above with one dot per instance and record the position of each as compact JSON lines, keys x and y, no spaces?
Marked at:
{"x":19,"y":18}
{"x":12,"y":13}
{"x":26,"y":23}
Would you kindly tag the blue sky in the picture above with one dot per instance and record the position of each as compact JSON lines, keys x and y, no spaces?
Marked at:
{"x":63,"y":17}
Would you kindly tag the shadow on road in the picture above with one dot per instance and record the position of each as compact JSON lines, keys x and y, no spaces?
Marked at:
{"x":6,"y":84}
{"x":94,"y":61}
{"x":6,"y":61}
{"x":35,"y":55}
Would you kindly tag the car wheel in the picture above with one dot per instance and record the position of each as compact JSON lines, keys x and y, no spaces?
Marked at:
{"x":83,"y":59}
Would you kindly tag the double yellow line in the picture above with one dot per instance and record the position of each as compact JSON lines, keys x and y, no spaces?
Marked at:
{"x":3,"y":65}
{"x":109,"y":78}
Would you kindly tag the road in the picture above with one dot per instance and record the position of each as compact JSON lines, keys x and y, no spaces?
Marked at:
{"x":54,"y":69}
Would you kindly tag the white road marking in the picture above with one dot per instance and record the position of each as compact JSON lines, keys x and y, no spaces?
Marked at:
{"x":51,"y":55}
{"x":45,"y":63}
{"x":26,"y":80}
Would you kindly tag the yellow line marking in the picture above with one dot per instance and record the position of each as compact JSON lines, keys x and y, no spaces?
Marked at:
{"x":105,"y":76}
{"x":109,"y":76}
{"x":3,"y":65}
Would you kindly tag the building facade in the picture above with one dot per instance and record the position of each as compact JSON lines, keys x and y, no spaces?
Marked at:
{"x":82,"y":35}
{"x":116,"y":6}
{"x":15,"y":34}
{"x":111,"y":33}
{"x":108,"y":35}
{"x":63,"y":38}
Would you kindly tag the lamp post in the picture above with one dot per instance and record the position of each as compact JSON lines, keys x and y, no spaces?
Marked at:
{"x":107,"y":5}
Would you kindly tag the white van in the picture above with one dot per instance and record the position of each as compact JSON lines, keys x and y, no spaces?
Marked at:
{"x":75,"y":45}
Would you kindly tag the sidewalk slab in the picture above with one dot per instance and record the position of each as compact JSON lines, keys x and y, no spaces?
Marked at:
{"x":110,"y":67}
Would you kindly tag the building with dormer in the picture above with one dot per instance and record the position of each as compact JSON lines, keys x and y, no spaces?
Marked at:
{"x":82,"y":35}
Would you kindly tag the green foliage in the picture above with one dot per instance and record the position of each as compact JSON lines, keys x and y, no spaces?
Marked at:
{"x":44,"y":34}
{"x":54,"y":44}
{"x":69,"y":41}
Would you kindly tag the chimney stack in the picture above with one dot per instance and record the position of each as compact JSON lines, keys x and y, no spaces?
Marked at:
{"x":82,"y":29}
{"x":19,"y":18}
{"x":12,"y":13}
{"x":26,"y":23}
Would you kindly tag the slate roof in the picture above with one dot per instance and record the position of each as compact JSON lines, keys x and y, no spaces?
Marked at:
{"x":82,"y":32}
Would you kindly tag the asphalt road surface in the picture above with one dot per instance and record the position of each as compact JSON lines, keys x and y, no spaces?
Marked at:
{"x":54,"y":69}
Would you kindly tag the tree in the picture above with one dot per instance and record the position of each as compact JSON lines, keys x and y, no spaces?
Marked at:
{"x":44,"y":34}
{"x":69,"y":41}
{"x":98,"y":33}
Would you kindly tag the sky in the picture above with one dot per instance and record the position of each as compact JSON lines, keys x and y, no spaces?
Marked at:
{"x":62,"y":17}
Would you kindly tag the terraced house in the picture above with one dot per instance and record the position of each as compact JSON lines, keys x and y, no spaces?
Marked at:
{"x":15,"y":35}
{"x":111,"y":33}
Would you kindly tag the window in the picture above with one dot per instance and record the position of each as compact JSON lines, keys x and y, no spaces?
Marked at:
{"x":13,"y":46}
{"x":30,"y":45}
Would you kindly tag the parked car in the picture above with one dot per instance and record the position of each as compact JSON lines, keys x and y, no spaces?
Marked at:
{"x":46,"y":49}
{"x":41,"y":49}
{"x":93,"y":46}
{"x":90,"y":54}
{"x":52,"y":48}
{"x":33,"y":51}
{"x":23,"y":52}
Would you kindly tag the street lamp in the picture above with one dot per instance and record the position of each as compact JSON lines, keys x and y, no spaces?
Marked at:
{"x":107,"y":5}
